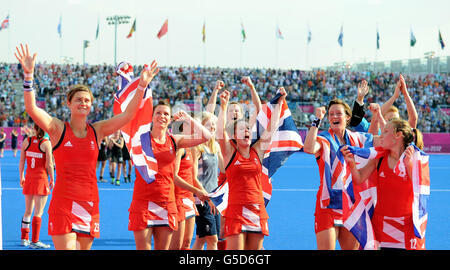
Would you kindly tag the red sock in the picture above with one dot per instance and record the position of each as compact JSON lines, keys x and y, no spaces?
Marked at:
{"x":36,"y":228}
{"x":222,"y":245}
{"x":25,"y":233}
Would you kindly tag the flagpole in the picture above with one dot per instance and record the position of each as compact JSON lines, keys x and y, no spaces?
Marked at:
{"x":240,"y":57}
{"x":9,"y":39}
{"x":204,"y":42}
{"x":307,"y":56}
{"x":135,"y":42}
{"x":167,"y":44}
{"x":96,"y":38}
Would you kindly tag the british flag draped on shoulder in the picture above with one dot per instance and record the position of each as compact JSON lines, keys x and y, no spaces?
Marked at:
{"x":358,"y":207}
{"x":137,"y":132}
{"x":285,"y":141}
{"x":337,"y":190}
{"x":421,"y":188}
{"x":420,"y":183}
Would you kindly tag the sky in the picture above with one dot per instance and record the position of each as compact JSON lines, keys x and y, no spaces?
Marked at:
{"x":35,"y":22}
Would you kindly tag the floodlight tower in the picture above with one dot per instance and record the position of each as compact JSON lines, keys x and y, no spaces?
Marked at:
{"x":116,"y":20}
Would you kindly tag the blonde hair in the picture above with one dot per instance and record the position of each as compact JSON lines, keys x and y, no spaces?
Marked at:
{"x":211,"y":144}
{"x":391,"y":109}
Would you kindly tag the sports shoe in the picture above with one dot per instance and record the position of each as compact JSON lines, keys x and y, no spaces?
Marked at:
{"x":25,"y":242}
{"x":39,"y":245}
{"x":117,"y":182}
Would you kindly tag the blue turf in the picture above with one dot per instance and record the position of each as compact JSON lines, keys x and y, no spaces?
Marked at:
{"x":291,"y":210}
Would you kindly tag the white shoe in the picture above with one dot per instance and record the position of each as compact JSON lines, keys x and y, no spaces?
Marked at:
{"x":39,"y":245}
{"x":25,"y":242}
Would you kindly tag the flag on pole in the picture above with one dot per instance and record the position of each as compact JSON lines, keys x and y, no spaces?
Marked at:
{"x":278,"y":33}
{"x":441,"y":40}
{"x":59,"y":27}
{"x":85,"y":44}
{"x":164,"y":29}
{"x":98,"y":29}
{"x":378,"y":39}
{"x":341,"y":37}
{"x":204,"y":32}
{"x":309,"y":35}
{"x":413,"y":40}
{"x":243,"y":32}
{"x":133,"y":29}
{"x":5,"y":23}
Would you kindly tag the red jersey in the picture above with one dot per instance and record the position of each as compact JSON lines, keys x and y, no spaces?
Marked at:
{"x":244,"y":179}
{"x":394,"y":193}
{"x":75,"y":161}
{"x":162,"y":189}
{"x":186,"y":172}
{"x":36,"y":178}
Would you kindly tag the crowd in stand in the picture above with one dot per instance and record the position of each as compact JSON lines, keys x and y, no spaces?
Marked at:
{"x":178,"y":84}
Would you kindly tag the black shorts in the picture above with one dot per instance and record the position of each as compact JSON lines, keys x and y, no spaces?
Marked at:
{"x":125,"y":154}
{"x":117,"y":158}
{"x":207,"y":223}
{"x":101,"y":156}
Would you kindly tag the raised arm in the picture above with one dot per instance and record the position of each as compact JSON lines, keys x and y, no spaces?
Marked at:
{"x":358,"y":106}
{"x":388,"y":104}
{"x":266,"y":137}
{"x":377,"y":121}
{"x":200,"y":135}
{"x":255,"y":97}
{"x":311,"y":146}
{"x":221,"y":133}
{"x":107,"y":127}
{"x":211,"y":106}
{"x":51,"y":125}
{"x":411,"y":109}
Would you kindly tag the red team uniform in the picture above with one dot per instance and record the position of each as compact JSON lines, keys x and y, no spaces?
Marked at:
{"x":74,"y":205}
{"x":245,"y":211}
{"x":154,"y":204}
{"x":185,"y":199}
{"x":392,"y":218}
{"x":36,"y":177}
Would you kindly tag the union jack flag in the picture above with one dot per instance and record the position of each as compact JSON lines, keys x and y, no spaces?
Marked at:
{"x":358,"y":208}
{"x":421,"y":188}
{"x":219,"y":196}
{"x":285,"y":141}
{"x":337,"y":190}
{"x":137,"y":132}
{"x":335,"y":176}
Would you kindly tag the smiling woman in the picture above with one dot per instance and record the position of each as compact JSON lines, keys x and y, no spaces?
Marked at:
{"x":328,"y":214}
{"x":74,"y":209}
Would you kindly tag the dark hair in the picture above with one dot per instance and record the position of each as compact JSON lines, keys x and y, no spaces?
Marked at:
{"x":347,"y":109}
{"x":79,"y":88}
{"x":163,"y":103}
{"x":39,"y":131}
